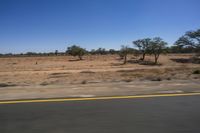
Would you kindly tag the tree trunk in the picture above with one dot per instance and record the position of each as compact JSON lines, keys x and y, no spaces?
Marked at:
{"x":143,"y":56}
{"x":156,"y":58}
{"x":125,"y":58}
{"x":80,"y":57}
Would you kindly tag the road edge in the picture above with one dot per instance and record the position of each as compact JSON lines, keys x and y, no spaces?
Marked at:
{"x":96,"y":98}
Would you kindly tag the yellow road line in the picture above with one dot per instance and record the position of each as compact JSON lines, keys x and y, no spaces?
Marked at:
{"x":96,"y":98}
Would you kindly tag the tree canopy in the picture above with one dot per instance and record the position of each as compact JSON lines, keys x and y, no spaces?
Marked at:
{"x":75,"y":50}
{"x":191,"y":38}
{"x":156,"y":47}
{"x":142,"y":45}
{"x":124,"y":51}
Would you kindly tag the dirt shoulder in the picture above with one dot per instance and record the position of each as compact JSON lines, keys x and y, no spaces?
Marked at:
{"x":100,"y":89}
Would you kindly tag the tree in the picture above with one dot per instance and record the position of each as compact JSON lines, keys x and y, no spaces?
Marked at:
{"x":143,"y":45}
{"x":56,"y":52}
{"x":124,"y":51}
{"x":191,"y":38}
{"x":156,"y":47}
{"x":93,"y":51}
{"x":31,"y":53}
{"x":76,"y":51}
{"x":101,"y":51}
{"x":112,"y":51}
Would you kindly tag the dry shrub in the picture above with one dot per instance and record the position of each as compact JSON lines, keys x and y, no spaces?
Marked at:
{"x":87,"y":72}
{"x":84,"y":82}
{"x":6,"y":85}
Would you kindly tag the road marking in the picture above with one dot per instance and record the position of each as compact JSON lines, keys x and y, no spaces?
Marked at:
{"x":96,"y":98}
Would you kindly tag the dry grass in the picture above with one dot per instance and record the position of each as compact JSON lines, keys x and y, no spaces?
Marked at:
{"x":105,"y":68}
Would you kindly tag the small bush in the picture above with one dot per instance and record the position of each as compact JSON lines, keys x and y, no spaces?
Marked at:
{"x":84,"y":82}
{"x":44,"y":83}
{"x":64,"y":73}
{"x":127,"y":80}
{"x":156,"y":79}
{"x":87,"y":72}
{"x":168,"y":78}
{"x":196,"y":72}
{"x":148,"y":63}
{"x":6,"y":85}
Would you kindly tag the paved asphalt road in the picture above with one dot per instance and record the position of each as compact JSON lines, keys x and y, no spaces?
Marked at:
{"x":144,"y":115}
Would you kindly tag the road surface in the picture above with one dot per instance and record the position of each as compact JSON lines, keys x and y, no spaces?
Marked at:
{"x":142,"y":115}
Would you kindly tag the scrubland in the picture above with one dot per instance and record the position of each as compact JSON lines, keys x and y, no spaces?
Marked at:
{"x":95,"y":75}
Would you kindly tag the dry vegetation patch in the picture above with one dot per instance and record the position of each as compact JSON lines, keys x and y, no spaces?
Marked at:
{"x":7,"y":85}
{"x":58,"y":70}
{"x":87,"y":72}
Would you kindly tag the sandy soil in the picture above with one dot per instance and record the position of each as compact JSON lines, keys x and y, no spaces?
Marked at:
{"x":64,"y":76}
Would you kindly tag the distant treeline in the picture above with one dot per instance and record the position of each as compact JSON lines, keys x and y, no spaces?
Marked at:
{"x":102,"y":51}
{"x":188,"y":43}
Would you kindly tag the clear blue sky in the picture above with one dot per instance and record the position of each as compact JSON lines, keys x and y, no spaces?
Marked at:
{"x":47,"y":25}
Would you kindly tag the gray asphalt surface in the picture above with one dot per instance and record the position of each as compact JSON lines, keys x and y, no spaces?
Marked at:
{"x":144,"y":115}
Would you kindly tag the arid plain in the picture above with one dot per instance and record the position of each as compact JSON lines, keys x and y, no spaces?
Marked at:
{"x":95,"y":75}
